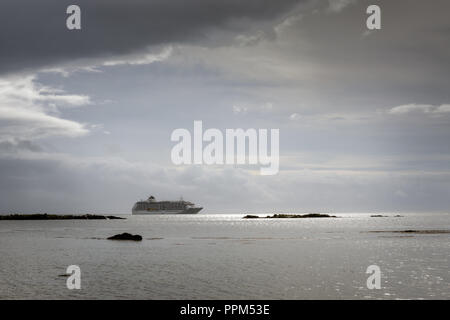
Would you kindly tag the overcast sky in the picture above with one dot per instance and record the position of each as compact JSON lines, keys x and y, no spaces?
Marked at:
{"x":86,"y":115}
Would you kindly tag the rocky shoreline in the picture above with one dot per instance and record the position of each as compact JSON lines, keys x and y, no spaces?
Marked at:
{"x":45,"y":216}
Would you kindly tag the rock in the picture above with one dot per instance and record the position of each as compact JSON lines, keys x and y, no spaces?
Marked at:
{"x":249,"y":216}
{"x":94,"y":217}
{"x":126,"y":236}
{"x":378,"y":216}
{"x":45,"y":216}
{"x":413,"y":231}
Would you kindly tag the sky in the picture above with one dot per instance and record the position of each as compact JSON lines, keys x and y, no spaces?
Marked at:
{"x":86,"y":115}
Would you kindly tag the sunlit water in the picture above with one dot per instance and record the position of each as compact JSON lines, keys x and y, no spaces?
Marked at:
{"x":226,"y":257}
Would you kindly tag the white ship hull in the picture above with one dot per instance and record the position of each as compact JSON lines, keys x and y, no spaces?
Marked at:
{"x":157,"y":212}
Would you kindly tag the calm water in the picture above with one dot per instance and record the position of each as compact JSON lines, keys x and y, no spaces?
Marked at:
{"x":226,"y":257}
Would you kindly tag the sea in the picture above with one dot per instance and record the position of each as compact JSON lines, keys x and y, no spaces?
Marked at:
{"x":223,"y":256}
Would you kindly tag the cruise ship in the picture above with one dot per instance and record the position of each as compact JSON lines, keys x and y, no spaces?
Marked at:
{"x":151,"y":206}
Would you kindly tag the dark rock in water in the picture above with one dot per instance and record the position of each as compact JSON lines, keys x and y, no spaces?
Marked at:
{"x":114,"y":218}
{"x":413,"y":231}
{"x":126,"y":236}
{"x":424,"y":231}
{"x":249,"y":216}
{"x":381,"y":216}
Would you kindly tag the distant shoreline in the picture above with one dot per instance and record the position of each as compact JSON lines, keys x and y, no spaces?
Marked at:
{"x":45,"y":216}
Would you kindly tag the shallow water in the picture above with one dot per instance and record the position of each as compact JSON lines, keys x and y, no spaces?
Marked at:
{"x":226,"y":257}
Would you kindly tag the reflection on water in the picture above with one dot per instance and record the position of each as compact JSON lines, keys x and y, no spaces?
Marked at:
{"x":227,"y":257}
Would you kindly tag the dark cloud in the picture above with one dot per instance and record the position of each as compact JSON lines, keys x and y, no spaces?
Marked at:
{"x":34,"y":33}
{"x":26,"y":145}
